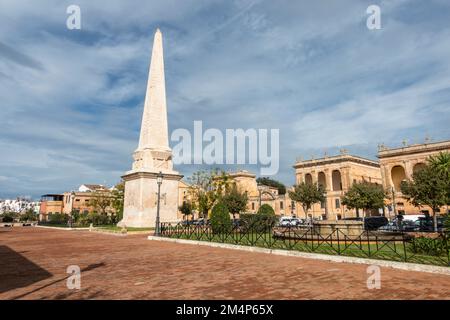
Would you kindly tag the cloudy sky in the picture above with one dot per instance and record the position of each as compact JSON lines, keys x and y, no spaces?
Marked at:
{"x":71,"y":100}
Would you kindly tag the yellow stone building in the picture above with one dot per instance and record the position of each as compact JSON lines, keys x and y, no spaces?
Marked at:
{"x":336,"y":174}
{"x":398,"y":164}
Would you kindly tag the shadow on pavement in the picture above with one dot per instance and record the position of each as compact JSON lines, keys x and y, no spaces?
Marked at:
{"x":88,"y":268}
{"x":17,"y":271}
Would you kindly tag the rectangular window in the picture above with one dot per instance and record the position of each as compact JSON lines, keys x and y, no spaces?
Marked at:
{"x":281,"y":205}
{"x":322,"y":205}
{"x":337,"y":203}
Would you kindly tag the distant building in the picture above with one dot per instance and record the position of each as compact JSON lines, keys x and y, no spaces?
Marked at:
{"x":80,"y":201}
{"x":19,"y":205}
{"x":246,"y":182}
{"x":92,"y":188}
{"x":398,"y":164}
{"x":336,"y":174}
{"x":50,"y":204}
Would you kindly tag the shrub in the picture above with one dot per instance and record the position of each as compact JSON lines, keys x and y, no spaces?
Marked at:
{"x":28,"y":216}
{"x":57,"y":218}
{"x":220,"y":219}
{"x":447,"y":224}
{"x":428,"y":246}
{"x":7,"y":218}
{"x":97,"y":219}
{"x":266,"y":209}
{"x":261,"y":222}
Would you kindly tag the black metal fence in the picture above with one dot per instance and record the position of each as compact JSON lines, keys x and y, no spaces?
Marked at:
{"x":396,"y":246}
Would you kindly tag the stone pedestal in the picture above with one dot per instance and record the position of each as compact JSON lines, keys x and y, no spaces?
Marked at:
{"x":347,"y":227}
{"x":141,"y":196}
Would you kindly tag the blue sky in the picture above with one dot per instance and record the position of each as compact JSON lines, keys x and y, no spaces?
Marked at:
{"x":71,"y":100}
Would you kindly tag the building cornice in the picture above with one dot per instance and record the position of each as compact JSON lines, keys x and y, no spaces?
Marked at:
{"x":412,"y":149}
{"x":336,"y":159}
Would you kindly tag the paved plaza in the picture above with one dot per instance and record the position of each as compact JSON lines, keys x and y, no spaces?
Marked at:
{"x":33,"y":264}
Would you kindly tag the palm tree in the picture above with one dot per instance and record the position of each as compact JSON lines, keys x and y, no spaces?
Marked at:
{"x":441,"y":163}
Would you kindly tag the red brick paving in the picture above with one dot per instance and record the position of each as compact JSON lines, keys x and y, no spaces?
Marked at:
{"x":33,"y":265}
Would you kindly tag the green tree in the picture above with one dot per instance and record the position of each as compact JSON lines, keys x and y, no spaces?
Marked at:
{"x":101,"y":201}
{"x":207,"y":188}
{"x":117,"y":200}
{"x":220,"y":219}
{"x":429,"y":187}
{"x":307,"y":194}
{"x":8,"y":216}
{"x":186,"y":209}
{"x":441,"y":164}
{"x":235,"y":200}
{"x":266,"y":210}
{"x":364,"y":195}
{"x":272,"y":183}
{"x":222,"y":184}
{"x":29,"y":215}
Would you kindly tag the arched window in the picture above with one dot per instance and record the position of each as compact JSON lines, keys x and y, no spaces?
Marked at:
{"x":321,"y":180}
{"x":397,"y":175}
{"x":337,"y":182}
{"x":308,"y":178}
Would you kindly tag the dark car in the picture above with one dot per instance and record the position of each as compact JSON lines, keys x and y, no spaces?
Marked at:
{"x":427,"y":224}
{"x":371,"y":223}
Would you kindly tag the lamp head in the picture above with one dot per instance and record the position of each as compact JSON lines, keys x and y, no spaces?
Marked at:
{"x":159,"y":177}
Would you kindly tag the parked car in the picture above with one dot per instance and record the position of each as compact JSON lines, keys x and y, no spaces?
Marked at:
{"x":374,"y":223}
{"x":426,"y":224}
{"x":390,"y":227}
{"x":371,"y":223}
{"x":199,"y":222}
{"x":289,"y":222}
{"x":187,"y":222}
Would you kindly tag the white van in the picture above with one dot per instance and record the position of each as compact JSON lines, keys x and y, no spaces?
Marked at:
{"x":413,"y":217}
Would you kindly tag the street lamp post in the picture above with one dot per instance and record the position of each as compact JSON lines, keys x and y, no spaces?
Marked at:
{"x":393,"y":202}
{"x":159,"y":179}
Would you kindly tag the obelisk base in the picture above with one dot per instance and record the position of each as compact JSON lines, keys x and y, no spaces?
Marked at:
{"x":141,"y":196}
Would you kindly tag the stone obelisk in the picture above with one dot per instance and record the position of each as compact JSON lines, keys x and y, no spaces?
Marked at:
{"x":152,"y":156}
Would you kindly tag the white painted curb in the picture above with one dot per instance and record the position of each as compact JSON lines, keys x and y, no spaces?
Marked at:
{"x":334,"y":258}
{"x":61,"y":228}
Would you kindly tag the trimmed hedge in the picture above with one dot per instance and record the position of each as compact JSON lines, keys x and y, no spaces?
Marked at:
{"x":266,"y":210}
{"x":220,"y":219}
{"x":261,"y":222}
